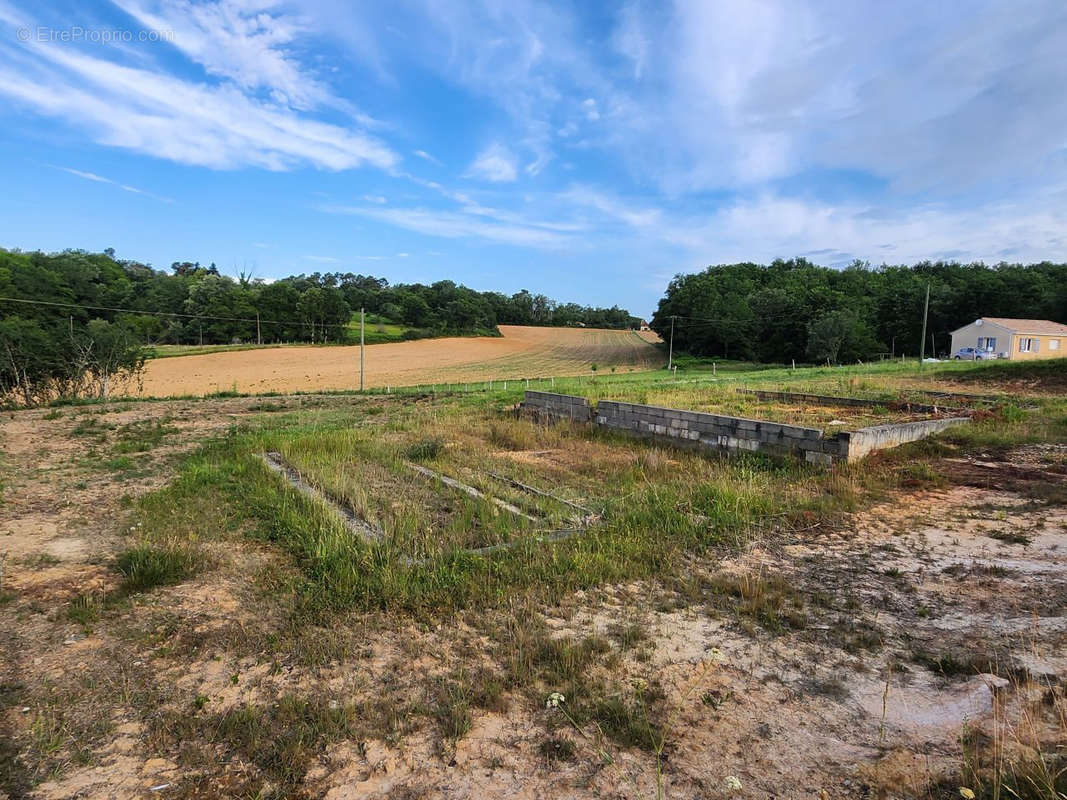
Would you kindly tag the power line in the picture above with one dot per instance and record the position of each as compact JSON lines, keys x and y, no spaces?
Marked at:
{"x":167,"y":313}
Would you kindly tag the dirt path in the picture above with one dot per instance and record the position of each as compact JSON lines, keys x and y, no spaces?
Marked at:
{"x":892,"y":635}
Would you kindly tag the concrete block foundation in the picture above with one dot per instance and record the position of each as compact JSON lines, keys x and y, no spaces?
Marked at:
{"x":717,"y":433}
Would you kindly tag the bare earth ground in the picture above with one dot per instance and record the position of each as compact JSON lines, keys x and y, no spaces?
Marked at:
{"x":521,"y":352}
{"x":847,"y":706}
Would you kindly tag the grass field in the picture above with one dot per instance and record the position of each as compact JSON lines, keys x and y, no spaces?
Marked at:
{"x":175,"y":613}
{"x":519,"y":352}
{"x":377,"y":331}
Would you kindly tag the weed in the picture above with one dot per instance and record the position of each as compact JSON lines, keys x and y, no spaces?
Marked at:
{"x":92,"y":427}
{"x":147,"y":566}
{"x":920,"y":475}
{"x":831,"y":686}
{"x":451,"y":710}
{"x":1010,"y":537}
{"x":142,"y":435}
{"x":120,"y":464}
{"x":557,"y":748}
{"x":628,"y":635}
{"x":425,"y":449}
{"x":769,"y":600}
{"x":268,"y":407}
{"x":84,"y":609}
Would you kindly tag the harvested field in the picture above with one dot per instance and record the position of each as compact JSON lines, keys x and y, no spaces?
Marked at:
{"x":519,"y":353}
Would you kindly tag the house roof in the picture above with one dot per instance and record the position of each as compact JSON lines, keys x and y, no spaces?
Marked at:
{"x":1035,"y":326}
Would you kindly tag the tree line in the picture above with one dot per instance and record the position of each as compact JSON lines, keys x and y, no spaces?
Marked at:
{"x":797,"y":310}
{"x":73,"y":339}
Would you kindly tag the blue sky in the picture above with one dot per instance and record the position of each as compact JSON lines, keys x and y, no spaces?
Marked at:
{"x":586,"y":151}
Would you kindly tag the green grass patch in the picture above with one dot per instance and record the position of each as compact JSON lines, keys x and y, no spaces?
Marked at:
{"x":142,"y":435}
{"x":146,"y":567}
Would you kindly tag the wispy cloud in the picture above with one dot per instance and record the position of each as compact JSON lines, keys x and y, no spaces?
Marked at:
{"x":427,"y":157}
{"x":769,"y":227}
{"x":496,"y":164}
{"x":92,"y":176}
{"x":457,"y":225}
{"x":322,"y":259}
{"x":249,"y":44}
{"x":220,"y":124}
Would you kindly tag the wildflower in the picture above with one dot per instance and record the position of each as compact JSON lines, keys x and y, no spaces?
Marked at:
{"x":966,"y":794}
{"x":715,"y":655}
{"x":555,"y":700}
{"x":732,"y":783}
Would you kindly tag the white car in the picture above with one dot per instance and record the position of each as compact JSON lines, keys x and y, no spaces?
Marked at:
{"x":970,"y":354}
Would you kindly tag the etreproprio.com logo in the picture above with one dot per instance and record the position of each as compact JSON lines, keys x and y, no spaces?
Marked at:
{"x":78,"y":34}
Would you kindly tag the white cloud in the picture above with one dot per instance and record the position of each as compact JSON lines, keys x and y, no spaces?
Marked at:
{"x":322,"y":259}
{"x":214,"y":124}
{"x":457,"y":225}
{"x":375,"y":198}
{"x":613,"y":207}
{"x":496,"y":164}
{"x":770,"y":227}
{"x":739,"y":92}
{"x":427,"y":157}
{"x":92,"y":176}
{"x":247,"y":43}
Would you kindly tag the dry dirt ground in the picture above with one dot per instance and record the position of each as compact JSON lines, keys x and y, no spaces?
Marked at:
{"x":520,"y":352}
{"x":934,"y":616}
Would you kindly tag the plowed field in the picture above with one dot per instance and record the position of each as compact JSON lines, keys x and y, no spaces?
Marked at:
{"x":521,"y":352}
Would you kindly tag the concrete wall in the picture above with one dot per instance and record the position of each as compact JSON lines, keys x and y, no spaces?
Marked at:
{"x":882,"y":437}
{"x":717,"y":433}
{"x":550,"y":407}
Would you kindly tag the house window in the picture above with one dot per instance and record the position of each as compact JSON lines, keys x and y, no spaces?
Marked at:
{"x":987,"y":345}
{"x":1028,"y":345}
{"x":1053,"y":344}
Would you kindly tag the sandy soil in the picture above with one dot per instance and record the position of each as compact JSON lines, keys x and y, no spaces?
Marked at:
{"x":843,"y":706}
{"x":521,"y":352}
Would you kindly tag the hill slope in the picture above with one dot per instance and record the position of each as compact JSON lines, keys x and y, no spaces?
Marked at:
{"x":520,"y":352}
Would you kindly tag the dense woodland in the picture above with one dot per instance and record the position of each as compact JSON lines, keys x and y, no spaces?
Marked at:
{"x":313,"y":308}
{"x":72,"y":342}
{"x":798,"y":310}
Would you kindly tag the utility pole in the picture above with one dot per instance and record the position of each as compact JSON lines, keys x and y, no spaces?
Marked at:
{"x":670,"y":350}
{"x":362,"y":318}
{"x":922,"y":340}
{"x":259,"y":337}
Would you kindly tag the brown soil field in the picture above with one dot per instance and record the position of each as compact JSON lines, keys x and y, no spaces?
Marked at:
{"x":521,"y":352}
